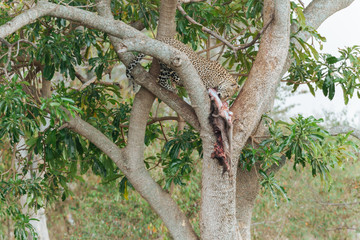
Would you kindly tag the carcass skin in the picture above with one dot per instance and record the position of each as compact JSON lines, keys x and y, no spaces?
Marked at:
{"x":221,"y":121}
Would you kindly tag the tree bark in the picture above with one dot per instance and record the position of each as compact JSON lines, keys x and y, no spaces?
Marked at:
{"x":40,"y":226}
{"x":227,"y":199}
{"x":247,"y":182}
{"x":159,"y":200}
{"x":121,"y":30}
{"x":253,"y":101}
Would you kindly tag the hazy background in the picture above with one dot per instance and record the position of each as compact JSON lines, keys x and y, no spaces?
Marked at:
{"x":341,"y":30}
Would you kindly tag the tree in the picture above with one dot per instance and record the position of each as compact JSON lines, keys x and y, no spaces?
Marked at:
{"x":88,"y":127}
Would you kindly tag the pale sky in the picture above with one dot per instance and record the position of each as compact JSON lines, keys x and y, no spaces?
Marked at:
{"x":341,"y":30}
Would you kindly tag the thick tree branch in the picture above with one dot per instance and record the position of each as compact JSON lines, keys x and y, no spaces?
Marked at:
{"x":315,"y":14}
{"x":167,"y":25}
{"x":252,"y":101}
{"x":318,"y":11}
{"x":159,"y":200}
{"x":345,"y":129}
{"x":131,"y":164}
{"x":121,"y":30}
{"x":247,"y":189}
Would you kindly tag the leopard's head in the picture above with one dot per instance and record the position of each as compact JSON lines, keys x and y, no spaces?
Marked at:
{"x":227,"y":89}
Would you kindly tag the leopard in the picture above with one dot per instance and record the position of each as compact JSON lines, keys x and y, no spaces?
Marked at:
{"x":212,"y":74}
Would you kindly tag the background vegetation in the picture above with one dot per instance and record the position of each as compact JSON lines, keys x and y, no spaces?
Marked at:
{"x":316,"y":210}
{"x":96,"y":200}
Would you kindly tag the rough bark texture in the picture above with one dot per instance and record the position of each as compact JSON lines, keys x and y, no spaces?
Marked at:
{"x":247,"y":183}
{"x":345,"y":129}
{"x":253,"y":100}
{"x":121,"y":30}
{"x":158,"y":199}
{"x":40,"y":226}
{"x":247,"y":189}
{"x":131,"y":164}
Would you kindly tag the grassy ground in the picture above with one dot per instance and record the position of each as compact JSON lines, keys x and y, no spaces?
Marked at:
{"x":314,"y":212}
{"x":99,"y":212}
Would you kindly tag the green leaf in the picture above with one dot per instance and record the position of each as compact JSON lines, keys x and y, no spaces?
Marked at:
{"x":331,"y":90}
{"x":301,"y":16}
{"x":311,"y":88}
{"x":99,"y":71}
{"x":331,"y":60}
{"x":54,"y":104}
{"x":314,"y":52}
{"x":48,"y":72}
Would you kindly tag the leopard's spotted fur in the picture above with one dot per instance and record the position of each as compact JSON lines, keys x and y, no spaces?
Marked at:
{"x":212,"y":74}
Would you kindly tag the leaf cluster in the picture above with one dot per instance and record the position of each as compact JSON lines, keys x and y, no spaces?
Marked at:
{"x":65,"y":156}
{"x":302,"y":141}
{"x":177,"y":157}
{"x":179,"y":163}
{"x":327,"y":71}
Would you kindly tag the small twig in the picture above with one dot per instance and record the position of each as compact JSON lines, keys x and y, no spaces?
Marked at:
{"x":298,"y":83}
{"x":243,"y":46}
{"x":9,"y":56}
{"x":217,"y":36}
{"x":163,"y":132}
{"x":109,"y":84}
{"x":5,"y":42}
{"x":17,"y":42}
{"x":208,"y":45}
{"x":203,"y":28}
{"x":122,"y":134}
{"x":146,"y":19}
{"x":86,"y":82}
{"x":65,"y":125}
{"x":10,"y":46}
{"x":221,"y":52}
{"x":191,"y":1}
{"x":155,"y":165}
{"x":154,"y":120}
{"x":80,"y":77}
{"x":302,"y":4}
{"x":221,"y":43}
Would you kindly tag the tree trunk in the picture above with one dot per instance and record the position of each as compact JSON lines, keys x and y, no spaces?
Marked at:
{"x":217,"y":213}
{"x":247,"y":189}
{"x":39,"y":226}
